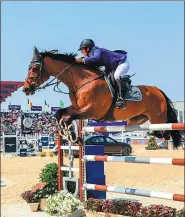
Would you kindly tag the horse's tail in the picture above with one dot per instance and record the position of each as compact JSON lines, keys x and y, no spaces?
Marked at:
{"x":172,"y":118}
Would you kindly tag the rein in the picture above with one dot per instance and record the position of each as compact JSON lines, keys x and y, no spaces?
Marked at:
{"x":58,"y":81}
{"x":50,"y":83}
{"x":73,"y":92}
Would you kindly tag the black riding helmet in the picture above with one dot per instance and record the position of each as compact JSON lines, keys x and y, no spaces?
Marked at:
{"x":87,"y":43}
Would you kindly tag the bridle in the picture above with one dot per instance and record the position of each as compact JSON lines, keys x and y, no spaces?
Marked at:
{"x":35,"y":87}
{"x":39,"y":75}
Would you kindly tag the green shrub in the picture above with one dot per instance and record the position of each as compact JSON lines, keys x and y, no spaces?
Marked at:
{"x":43,"y":154}
{"x":151,"y":144}
{"x":51,"y":154}
{"x":49,"y":174}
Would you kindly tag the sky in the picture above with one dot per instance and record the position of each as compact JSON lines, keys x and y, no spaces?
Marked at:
{"x":151,"y":32}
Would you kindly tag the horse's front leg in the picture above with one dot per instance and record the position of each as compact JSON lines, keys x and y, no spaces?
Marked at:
{"x":60,"y":121}
{"x":78,"y":114}
{"x":61,"y":112}
{"x":65,"y":124}
{"x":73,"y":113}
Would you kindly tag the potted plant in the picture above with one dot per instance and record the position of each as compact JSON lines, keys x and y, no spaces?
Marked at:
{"x":49,"y":183}
{"x":49,"y":174}
{"x":42,"y":191}
{"x":31,"y":199}
{"x":64,"y":204}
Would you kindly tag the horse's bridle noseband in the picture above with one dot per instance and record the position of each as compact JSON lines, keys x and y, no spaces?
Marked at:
{"x":35,"y":85}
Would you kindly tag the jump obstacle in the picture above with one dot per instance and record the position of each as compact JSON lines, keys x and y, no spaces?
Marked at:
{"x":89,"y":169}
{"x":152,"y":127}
{"x":130,"y":159}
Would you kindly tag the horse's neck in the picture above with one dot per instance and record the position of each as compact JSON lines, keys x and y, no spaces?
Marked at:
{"x":56,"y":69}
{"x":73,"y":77}
{"x":80,"y":75}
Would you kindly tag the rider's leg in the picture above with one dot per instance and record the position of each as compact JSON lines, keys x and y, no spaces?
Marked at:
{"x":120,"y":72}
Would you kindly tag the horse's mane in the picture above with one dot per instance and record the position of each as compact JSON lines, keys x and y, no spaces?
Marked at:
{"x":69,"y":58}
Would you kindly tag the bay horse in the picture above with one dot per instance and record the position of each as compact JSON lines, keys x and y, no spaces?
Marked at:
{"x":91,"y":97}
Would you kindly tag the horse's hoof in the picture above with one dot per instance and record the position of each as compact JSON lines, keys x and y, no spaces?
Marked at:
{"x":72,"y":137}
{"x":61,"y":123}
{"x":61,"y":133}
{"x":65,"y":126}
{"x":67,"y":122}
{"x":61,"y":127}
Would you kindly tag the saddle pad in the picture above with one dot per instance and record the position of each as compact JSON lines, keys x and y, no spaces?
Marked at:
{"x":133,"y":94}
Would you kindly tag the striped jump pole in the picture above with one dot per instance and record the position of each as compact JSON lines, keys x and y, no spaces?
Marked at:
{"x":131,"y":159}
{"x":133,"y":191}
{"x":151,"y":127}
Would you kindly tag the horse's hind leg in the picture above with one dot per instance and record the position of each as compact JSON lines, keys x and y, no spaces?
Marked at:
{"x":160,"y":119}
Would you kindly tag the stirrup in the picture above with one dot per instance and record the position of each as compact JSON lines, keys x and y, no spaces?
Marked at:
{"x":120,"y":103}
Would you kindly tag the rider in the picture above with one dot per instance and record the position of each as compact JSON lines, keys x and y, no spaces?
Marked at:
{"x":112,"y":61}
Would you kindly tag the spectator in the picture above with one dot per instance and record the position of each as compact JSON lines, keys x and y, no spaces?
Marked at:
{"x":42,"y":123}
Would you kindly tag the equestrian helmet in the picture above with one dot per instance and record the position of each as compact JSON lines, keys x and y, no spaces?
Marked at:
{"x":86,"y":43}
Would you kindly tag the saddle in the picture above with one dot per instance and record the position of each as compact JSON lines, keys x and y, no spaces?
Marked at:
{"x":133,"y":93}
{"x":112,"y":83}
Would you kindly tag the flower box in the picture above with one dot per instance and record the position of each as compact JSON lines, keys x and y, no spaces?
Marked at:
{"x":42,"y":203}
{"x":33,"y":206}
{"x":78,"y":213}
{"x":96,"y":214}
{"x":117,"y":215}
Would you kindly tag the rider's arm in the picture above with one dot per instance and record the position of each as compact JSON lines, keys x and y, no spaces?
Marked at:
{"x":94,"y":58}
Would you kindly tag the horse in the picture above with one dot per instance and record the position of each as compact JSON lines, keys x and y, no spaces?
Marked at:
{"x":91,"y":97}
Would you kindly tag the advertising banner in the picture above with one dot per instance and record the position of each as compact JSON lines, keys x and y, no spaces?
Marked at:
{"x":14,"y":107}
{"x":36,"y":108}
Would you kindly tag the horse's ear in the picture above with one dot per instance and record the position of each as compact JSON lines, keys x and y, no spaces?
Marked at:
{"x":36,"y":53}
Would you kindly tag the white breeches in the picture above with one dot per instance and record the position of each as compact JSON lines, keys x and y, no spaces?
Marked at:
{"x":121,"y":70}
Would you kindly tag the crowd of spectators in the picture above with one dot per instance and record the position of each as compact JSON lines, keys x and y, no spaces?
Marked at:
{"x":42,"y":123}
{"x":10,"y":120}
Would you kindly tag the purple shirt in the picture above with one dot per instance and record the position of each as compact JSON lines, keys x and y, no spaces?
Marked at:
{"x":104,"y":57}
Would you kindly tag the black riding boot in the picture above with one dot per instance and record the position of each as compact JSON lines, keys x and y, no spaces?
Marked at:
{"x":122,"y":87}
